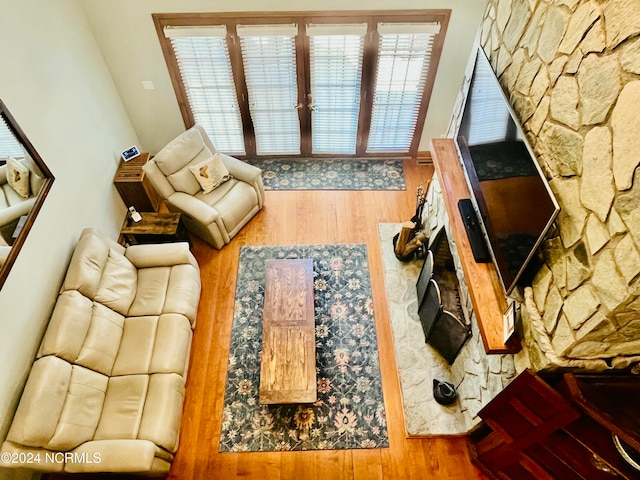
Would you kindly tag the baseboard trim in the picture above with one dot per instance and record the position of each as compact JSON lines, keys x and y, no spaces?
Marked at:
{"x":424,"y":158}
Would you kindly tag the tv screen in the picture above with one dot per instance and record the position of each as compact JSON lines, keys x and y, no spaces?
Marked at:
{"x":511,"y":194}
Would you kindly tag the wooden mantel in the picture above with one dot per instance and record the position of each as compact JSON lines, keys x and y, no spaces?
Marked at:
{"x":483,"y":282}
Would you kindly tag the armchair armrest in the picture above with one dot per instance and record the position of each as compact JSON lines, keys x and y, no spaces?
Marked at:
{"x":192,"y":207}
{"x":241,"y":170}
{"x":10,"y":214}
{"x":161,"y":255}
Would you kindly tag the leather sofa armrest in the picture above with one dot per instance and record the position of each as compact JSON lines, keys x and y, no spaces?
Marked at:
{"x":192,"y":207}
{"x":119,"y":456}
{"x":161,"y":255}
{"x":14,"y":455}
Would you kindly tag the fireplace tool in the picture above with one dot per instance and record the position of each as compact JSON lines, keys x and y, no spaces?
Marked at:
{"x":412,"y":239}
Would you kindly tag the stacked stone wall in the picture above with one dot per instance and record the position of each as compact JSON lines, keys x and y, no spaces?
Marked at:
{"x":571,"y":70}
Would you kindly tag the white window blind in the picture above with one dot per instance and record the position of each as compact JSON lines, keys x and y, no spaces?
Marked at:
{"x":269,"y":58}
{"x":336,"y":72}
{"x":486,"y":108}
{"x":205,"y":68}
{"x":9,"y":144}
{"x":402,"y":69}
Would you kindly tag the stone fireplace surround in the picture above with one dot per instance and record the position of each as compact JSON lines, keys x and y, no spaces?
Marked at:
{"x":571,"y":69}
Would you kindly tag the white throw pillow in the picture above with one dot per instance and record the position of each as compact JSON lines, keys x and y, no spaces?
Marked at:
{"x":210,"y":174}
{"x":18,"y":177}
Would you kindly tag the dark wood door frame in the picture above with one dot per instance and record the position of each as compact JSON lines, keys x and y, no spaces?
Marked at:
{"x":370,"y":55}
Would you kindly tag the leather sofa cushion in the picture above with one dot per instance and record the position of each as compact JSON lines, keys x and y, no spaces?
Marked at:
{"x":101,"y":272}
{"x":163,"y":411}
{"x":60,"y":407}
{"x":147,"y":407}
{"x":82,"y":409}
{"x":123,"y":406}
{"x":151,"y":292}
{"x":179,"y":152}
{"x":183,"y":292}
{"x":154,"y":344}
{"x":167,"y":290}
{"x":83,"y":332}
{"x":118,"y":283}
{"x":36,"y":418}
{"x":178,"y":155}
{"x":236,"y":205}
{"x":184,"y":180}
{"x":85,"y":269}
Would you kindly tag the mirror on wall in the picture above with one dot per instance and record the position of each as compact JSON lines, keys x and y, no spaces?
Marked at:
{"x":25,"y":182}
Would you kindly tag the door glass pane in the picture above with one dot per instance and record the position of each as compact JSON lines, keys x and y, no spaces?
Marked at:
{"x":269,"y":60}
{"x":336,"y":73}
{"x":403,"y":65}
{"x":205,"y":69}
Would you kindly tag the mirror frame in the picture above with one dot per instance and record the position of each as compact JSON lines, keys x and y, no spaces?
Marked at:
{"x":48,"y":179}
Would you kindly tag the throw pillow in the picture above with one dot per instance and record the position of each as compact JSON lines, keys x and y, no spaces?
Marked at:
{"x":210,"y":174}
{"x":18,"y":177}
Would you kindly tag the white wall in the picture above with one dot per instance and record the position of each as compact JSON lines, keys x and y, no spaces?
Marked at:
{"x":126,"y":35}
{"x":55,"y":83}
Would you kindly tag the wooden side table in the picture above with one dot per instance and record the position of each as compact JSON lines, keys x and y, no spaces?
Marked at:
{"x":154,"y":228}
{"x":134,"y":187}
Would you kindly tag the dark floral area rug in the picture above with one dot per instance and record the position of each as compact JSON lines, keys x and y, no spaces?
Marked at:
{"x":349,"y":412}
{"x":331,"y":174}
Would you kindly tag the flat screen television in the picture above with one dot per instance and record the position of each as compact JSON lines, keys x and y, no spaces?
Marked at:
{"x":510,"y":193}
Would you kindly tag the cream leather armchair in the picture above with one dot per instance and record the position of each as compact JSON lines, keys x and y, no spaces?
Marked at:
{"x":12,"y":205}
{"x":218,"y":216}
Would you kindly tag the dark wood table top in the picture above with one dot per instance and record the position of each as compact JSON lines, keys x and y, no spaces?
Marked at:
{"x":152,"y":224}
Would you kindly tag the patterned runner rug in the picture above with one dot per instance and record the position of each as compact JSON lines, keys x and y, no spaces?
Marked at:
{"x":331,"y":174}
{"x":349,"y":412}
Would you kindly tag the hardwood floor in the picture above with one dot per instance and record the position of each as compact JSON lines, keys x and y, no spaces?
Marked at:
{"x":301,"y":217}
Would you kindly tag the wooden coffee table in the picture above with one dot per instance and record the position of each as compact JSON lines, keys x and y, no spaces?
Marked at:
{"x":288,"y":363}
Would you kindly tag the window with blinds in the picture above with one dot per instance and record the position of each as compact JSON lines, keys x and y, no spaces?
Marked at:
{"x":9,"y":144}
{"x":205,"y":69}
{"x":336,"y":77}
{"x":303,"y":83}
{"x":403,"y":65}
{"x":269,"y":59}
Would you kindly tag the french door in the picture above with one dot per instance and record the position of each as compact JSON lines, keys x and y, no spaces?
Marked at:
{"x":305,"y":84}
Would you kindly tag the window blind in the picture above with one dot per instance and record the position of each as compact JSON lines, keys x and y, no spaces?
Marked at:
{"x":336,"y":53}
{"x":9,"y":144}
{"x":205,"y":68}
{"x":402,"y":69}
{"x":269,"y":58}
{"x":488,"y":112}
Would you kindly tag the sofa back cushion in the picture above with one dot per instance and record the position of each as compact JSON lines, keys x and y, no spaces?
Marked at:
{"x":83,"y":332}
{"x":101,"y":272}
{"x":60,"y":407}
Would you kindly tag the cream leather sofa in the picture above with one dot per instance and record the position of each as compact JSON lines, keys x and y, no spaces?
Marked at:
{"x":217,"y":216}
{"x":106,"y":390}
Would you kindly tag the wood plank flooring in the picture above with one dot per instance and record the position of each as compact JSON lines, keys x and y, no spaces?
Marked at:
{"x":303,"y":217}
